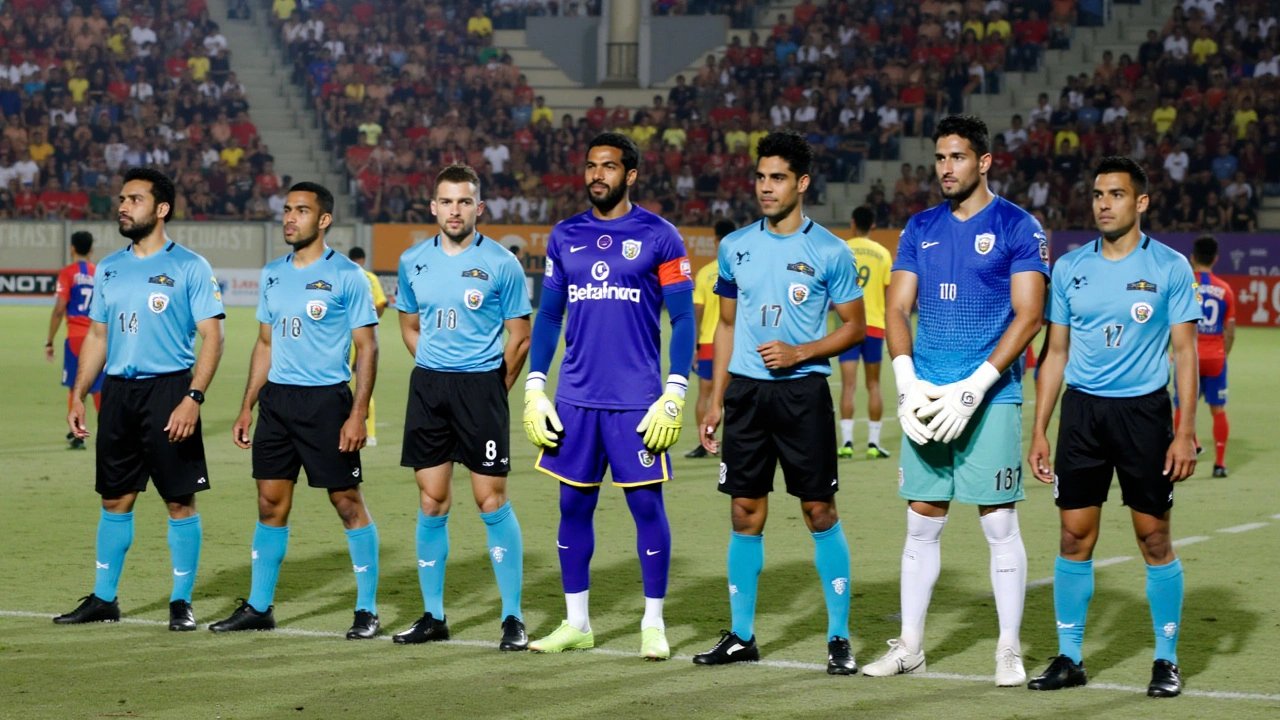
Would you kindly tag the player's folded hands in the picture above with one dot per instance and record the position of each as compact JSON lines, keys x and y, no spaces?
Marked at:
{"x":539,"y":413}
{"x":661,"y":425}
{"x":913,"y":394}
{"x":956,"y":403}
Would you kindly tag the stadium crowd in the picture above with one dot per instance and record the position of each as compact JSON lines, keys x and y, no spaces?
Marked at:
{"x":89,"y":88}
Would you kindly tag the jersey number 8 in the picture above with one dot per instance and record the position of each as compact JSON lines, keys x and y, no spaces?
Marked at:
{"x":291,"y":327}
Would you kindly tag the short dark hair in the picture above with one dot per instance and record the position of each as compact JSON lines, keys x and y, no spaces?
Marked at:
{"x":790,"y":146}
{"x":82,"y":242}
{"x":356,"y":253}
{"x":863,"y":218}
{"x":324,"y":198}
{"x":723,"y":228}
{"x":161,"y":186}
{"x":1118,"y":164}
{"x":630,"y":153}
{"x":1204,"y":250}
{"x":969,"y":127}
{"x":458,"y":173}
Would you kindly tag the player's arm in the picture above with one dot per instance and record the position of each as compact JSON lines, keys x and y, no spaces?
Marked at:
{"x":913,"y":393}
{"x":55,"y":321}
{"x":93,"y":357}
{"x":259,"y":366}
{"x":699,"y":310}
{"x":720,"y":370}
{"x":519,"y":334}
{"x":1229,"y":320}
{"x":410,"y":331}
{"x":354,"y":431}
{"x":1053,"y":365}
{"x":541,"y":422}
{"x":183,"y":419}
{"x":662,"y":423}
{"x":1180,"y":460}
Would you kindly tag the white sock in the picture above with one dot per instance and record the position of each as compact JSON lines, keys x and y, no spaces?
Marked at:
{"x":846,"y":429}
{"x":874,"y":433}
{"x":921,"y":563}
{"x":653,"y":614}
{"x":577,"y":607}
{"x":1008,"y":572}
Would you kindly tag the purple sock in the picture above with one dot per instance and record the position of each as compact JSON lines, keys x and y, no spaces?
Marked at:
{"x":577,"y":539}
{"x":653,"y":537}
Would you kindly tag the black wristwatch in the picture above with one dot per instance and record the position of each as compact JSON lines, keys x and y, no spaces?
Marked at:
{"x":196,"y":395}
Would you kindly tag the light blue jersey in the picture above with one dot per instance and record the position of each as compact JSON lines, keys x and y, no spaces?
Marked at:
{"x":151,"y":306}
{"x":1120,"y":312}
{"x":312,"y":311}
{"x":783,"y":285}
{"x":965,"y":271}
{"x":462,"y":302}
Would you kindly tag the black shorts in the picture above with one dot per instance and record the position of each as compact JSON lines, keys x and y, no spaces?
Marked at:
{"x":791,"y":422}
{"x":458,"y":417}
{"x":133,"y":444}
{"x":299,"y":428}
{"x":1130,"y":436}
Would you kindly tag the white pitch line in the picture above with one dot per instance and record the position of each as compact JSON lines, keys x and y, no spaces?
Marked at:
{"x":1189,"y":540}
{"x":1276,"y":516}
{"x":781,"y":664}
{"x":1243,"y":528}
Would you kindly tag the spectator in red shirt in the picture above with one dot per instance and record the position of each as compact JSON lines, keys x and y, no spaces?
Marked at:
{"x":26,"y":202}
{"x":754,"y":53}
{"x":1029,"y":37}
{"x":804,"y":12}
{"x":243,"y":130}
{"x":597,"y":114}
{"x":77,"y":202}
{"x":735,"y":54}
{"x":52,"y":201}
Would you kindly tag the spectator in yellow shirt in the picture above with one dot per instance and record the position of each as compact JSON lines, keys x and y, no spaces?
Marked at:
{"x":541,"y":111}
{"x":643,"y":132}
{"x":79,"y":85}
{"x":1069,"y":136}
{"x":753,"y":140}
{"x":1204,"y":47}
{"x":39,"y":147}
{"x":677,"y":137}
{"x":1244,"y":117}
{"x":232,"y":154}
{"x":479,"y":25}
{"x":282,"y":9}
{"x":975,"y":24}
{"x":736,"y":139}
{"x":1164,"y":116}
{"x":198,"y":64}
{"x":1000,"y":25}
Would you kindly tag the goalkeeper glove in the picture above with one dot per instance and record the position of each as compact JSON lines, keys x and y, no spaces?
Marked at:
{"x":661,"y":425}
{"x":957,"y":403}
{"x":539,"y":413}
{"x":913,"y":394}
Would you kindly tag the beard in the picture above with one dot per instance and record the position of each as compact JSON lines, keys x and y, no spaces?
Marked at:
{"x":962,"y":192}
{"x":463,"y":233}
{"x":301,"y":242}
{"x":781,"y":210}
{"x":610,"y":200}
{"x":139,"y":230}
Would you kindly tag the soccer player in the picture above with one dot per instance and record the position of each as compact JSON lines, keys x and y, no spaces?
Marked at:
{"x":150,"y":301}
{"x":74,"y":293}
{"x":1216,"y":333}
{"x":777,"y":278}
{"x":458,"y":292}
{"x":313,"y":303}
{"x":873,"y":262}
{"x":612,"y":268}
{"x":706,"y":311}
{"x":357,"y":255}
{"x":1116,"y":303}
{"x":977,"y":265}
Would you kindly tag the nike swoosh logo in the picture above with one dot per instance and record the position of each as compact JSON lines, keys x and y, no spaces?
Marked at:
{"x":181,"y":574}
{"x":735,"y":648}
{"x":927,"y":245}
{"x":562,"y":547}
{"x":652,"y":552}
{"x":576,"y":249}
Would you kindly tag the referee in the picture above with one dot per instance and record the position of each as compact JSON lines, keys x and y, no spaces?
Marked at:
{"x":150,"y":300}
{"x":312,"y":304}
{"x":1115,"y":304}
{"x":777,"y":277}
{"x":458,"y":292}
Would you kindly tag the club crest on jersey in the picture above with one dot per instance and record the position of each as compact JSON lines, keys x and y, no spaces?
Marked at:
{"x":798,"y":293}
{"x":476,"y":273}
{"x":801,"y":267}
{"x":161,"y":279}
{"x":984,"y":242}
{"x":646,"y":458}
{"x":316,"y":310}
{"x":217,"y":288}
{"x":604,"y":242}
{"x":319,"y":285}
{"x":1142,"y":286}
{"x":685,"y":268}
{"x":1141,"y":312}
{"x":158,"y":302}
{"x":1044,"y":247}
{"x":630,"y":249}
{"x":600,"y":270}
{"x":474,"y":299}
{"x":549,"y":269}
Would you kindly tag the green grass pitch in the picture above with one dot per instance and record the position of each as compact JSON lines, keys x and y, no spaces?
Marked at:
{"x":1229,"y":649}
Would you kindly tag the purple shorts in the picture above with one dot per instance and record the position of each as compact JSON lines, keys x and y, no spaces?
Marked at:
{"x":596,"y":440}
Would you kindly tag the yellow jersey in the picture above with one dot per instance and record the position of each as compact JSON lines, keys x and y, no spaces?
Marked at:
{"x":874,"y":263}
{"x":375,"y":285}
{"x":704,"y":294}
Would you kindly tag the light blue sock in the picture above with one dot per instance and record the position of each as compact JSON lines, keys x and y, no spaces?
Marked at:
{"x":1072,"y":591}
{"x":831,"y":557}
{"x":269,"y":546}
{"x":115,"y":535}
{"x":746,"y":560}
{"x":1164,"y":593}
{"x":433,"y":550}
{"x":184,"y":549}
{"x":362,"y":543}
{"x":506,"y":551}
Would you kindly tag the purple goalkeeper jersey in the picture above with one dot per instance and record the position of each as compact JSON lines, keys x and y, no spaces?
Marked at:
{"x":614,"y":274}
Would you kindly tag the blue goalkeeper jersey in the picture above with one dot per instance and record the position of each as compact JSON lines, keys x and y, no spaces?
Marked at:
{"x":965,"y":270}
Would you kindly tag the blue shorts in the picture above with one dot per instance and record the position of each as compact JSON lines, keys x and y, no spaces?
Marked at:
{"x":870,"y":350}
{"x":1214,"y":387}
{"x":71,"y":365}
{"x":706,"y":356}
{"x":597,"y":440}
